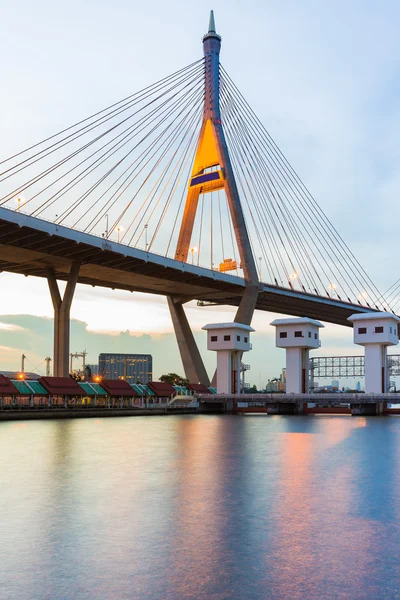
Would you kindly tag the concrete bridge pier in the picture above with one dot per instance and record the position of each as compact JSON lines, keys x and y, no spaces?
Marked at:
{"x":376,"y":331}
{"x":62,"y":307}
{"x":298,"y":337}
{"x":229,"y":340}
{"x":192,"y":362}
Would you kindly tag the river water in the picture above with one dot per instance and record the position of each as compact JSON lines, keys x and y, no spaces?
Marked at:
{"x":200,"y":507}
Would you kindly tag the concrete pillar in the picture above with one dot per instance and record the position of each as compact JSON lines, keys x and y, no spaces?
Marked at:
{"x":62,"y":307}
{"x":228,"y":372}
{"x":245,"y":311}
{"x":192,"y":362}
{"x":298,"y":337}
{"x":375,"y":368}
{"x":297,"y":369}
{"x":229,"y":340}
{"x":376,"y":331}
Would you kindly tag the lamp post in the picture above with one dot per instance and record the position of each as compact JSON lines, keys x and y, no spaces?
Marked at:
{"x":145,"y":236}
{"x":106,"y":225}
{"x":119,"y":229}
{"x":193,"y":250}
{"x":260,"y":259}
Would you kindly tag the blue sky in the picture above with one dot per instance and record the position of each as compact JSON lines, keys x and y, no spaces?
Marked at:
{"x":322,"y":77}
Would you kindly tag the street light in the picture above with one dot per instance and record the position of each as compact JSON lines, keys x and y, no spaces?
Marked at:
{"x":119,"y":229}
{"x":193,"y":250}
{"x":145,"y":236}
{"x":260,"y":259}
{"x":106,"y":225}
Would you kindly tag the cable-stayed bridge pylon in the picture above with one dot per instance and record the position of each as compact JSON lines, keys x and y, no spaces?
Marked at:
{"x":177,"y":190}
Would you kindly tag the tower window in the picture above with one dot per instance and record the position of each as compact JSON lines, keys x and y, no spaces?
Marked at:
{"x":214,"y":338}
{"x":283,"y":334}
{"x":227,"y":338}
{"x":378,"y":329}
{"x":246,"y":340}
{"x":362,"y":330}
{"x":238,"y":338}
{"x":298,"y":334}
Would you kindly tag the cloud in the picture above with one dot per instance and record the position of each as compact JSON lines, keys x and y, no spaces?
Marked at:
{"x":11,"y":327}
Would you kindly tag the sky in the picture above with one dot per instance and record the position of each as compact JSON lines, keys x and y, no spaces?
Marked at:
{"x":322,"y":77}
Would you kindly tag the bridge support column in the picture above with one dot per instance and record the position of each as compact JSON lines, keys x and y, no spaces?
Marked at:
{"x":192,"y":362}
{"x":297,"y":336}
{"x":245,"y":311}
{"x":229,"y":340}
{"x":62,"y":307}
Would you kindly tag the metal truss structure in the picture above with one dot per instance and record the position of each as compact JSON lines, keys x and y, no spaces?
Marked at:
{"x":336,"y":367}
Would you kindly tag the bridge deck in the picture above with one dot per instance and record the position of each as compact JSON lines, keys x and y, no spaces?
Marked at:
{"x":30,"y":246}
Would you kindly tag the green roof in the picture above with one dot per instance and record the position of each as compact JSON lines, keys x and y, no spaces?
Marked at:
{"x":213,"y":390}
{"x":98,"y":390}
{"x":22,"y":387}
{"x":92,"y":389}
{"x":142,"y":389}
{"x":37,"y":388}
{"x":86,"y":388}
{"x":182,"y":390}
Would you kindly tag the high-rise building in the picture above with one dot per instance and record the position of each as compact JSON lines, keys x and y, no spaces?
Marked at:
{"x":132,"y":367}
{"x":275,"y":385}
{"x":283,"y":379}
{"x":335,"y":384}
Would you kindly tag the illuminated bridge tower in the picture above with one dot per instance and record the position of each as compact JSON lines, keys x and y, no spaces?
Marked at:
{"x":212,"y":170}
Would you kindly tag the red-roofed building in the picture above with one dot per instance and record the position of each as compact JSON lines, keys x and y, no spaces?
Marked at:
{"x":198,"y":388}
{"x":6,"y":387}
{"x":118,"y":388}
{"x":61,"y":386}
{"x":162,"y":389}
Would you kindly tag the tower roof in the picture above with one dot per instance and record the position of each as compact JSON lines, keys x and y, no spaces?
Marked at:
{"x":373,"y":316}
{"x":211,"y":23}
{"x":211,"y":28}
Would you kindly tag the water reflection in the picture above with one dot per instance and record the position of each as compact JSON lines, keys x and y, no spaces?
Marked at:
{"x":209,"y":508}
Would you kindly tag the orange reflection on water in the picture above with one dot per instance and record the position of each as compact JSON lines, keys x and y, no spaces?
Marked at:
{"x":295,"y":496}
{"x":200,"y":517}
{"x":316,"y":531}
{"x":334,"y":430}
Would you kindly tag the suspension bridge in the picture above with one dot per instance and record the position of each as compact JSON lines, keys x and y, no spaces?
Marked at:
{"x":177,"y":190}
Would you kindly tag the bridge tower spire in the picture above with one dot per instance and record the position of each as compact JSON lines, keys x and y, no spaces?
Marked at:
{"x":212,"y":168}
